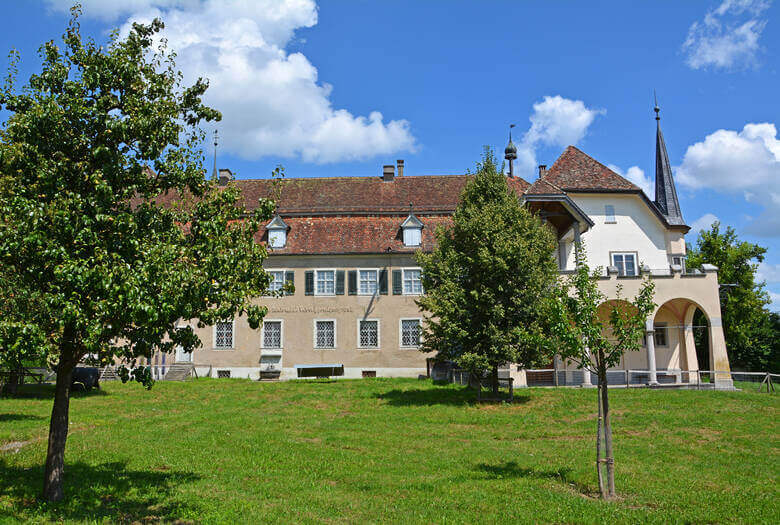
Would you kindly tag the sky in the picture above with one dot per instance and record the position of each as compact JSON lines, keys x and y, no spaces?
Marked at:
{"x":341,"y":88}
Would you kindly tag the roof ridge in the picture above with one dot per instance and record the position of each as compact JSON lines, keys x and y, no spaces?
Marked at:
{"x":354,"y":177}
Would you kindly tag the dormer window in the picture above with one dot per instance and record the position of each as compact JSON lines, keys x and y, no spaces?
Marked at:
{"x":277,"y":232}
{"x":412,"y":230}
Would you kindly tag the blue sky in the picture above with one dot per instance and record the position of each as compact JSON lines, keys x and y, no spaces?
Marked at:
{"x":344,"y":87}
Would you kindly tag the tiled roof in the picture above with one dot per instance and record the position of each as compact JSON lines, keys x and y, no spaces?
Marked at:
{"x":575,"y":171}
{"x":543,"y":187}
{"x":352,"y":234}
{"x":313,"y":196}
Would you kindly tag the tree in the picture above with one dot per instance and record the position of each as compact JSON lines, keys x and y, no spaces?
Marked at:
{"x":91,"y":142}
{"x":488,"y":280}
{"x":596,"y":344}
{"x":743,"y":301}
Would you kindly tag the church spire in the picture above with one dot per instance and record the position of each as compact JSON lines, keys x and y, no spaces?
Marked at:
{"x":214,"y":173}
{"x":665,"y":191}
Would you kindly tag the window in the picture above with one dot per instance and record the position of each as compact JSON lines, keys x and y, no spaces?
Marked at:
{"x":223,"y":334}
{"x":625,"y":262}
{"x":367,"y":282}
{"x":661,"y":334}
{"x":272,"y":334}
{"x":412,"y":282}
{"x":609,"y":214}
{"x":679,"y":260}
{"x":410,"y":332}
{"x":223,"y":374}
{"x":326,"y":282}
{"x":278,"y":281}
{"x":325,"y":334}
{"x":368,"y":336}
{"x":277,"y":238}
{"x":412,"y":236}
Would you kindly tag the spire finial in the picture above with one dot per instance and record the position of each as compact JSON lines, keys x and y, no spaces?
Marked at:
{"x":216,"y":142}
{"x":510,"y":132}
{"x":656,"y":108}
{"x":510,"y":152}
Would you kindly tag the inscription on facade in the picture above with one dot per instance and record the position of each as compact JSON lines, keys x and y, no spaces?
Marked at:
{"x":311,"y":309}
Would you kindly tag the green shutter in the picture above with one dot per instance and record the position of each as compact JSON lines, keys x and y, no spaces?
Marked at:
{"x":398,"y":288}
{"x":383,"y":282}
{"x":289,"y":279}
{"x":309,"y":282}
{"x":339,"y":282}
{"x":352,"y":282}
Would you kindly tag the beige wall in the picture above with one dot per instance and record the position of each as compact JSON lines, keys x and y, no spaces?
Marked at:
{"x":299,"y":312}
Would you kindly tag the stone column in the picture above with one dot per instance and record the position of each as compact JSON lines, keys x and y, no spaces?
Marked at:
{"x":650,"y":338}
{"x":719,"y":359}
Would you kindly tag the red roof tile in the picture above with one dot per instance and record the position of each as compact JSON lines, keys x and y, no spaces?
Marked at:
{"x":352,"y":234}
{"x":576,"y":171}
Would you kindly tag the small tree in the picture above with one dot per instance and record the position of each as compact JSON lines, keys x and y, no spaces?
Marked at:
{"x":99,"y":266}
{"x":489,"y":279}
{"x":596,"y":344}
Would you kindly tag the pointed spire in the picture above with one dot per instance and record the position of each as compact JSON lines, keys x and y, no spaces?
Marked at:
{"x":214,"y":173}
{"x":665,"y":191}
{"x":510,"y":152}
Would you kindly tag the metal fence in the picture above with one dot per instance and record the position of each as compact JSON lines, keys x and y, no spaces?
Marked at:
{"x":176,"y":372}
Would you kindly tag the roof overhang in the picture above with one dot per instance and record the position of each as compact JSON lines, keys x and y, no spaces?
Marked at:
{"x":569,"y":205}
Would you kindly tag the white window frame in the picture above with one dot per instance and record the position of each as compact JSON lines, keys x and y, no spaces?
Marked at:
{"x":335,"y":335}
{"x":678,"y":256}
{"x":609,"y":218}
{"x":376,"y":272}
{"x":277,"y":270}
{"x":401,"y":332}
{"x":378,"y":334}
{"x":661,"y":327}
{"x":316,"y":288}
{"x":411,"y":230}
{"x":636,"y":263}
{"x":232,"y":339}
{"x":273,"y":233}
{"x":403,"y":280}
{"x":281,"y":334}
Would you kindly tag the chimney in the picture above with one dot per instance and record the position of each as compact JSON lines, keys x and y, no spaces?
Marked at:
{"x":542,"y":170}
{"x":388,"y":172}
{"x":225,"y":176}
{"x":400,"y":163}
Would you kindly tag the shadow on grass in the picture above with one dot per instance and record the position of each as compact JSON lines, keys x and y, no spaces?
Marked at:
{"x":18,"y":417}
{"x":46,"y":391}
{"x":435,"y":396}
{"x":94,"y":493}
{"x":510,"y":469}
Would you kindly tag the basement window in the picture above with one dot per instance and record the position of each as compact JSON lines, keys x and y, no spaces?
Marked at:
{"x":223,"y":374}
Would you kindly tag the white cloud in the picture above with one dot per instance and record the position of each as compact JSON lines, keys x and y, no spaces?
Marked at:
{"x":271,"y":100}
{"x":774,"y":297}
{"x":768,"y":272}
{"x":703,"y":223}
{"x":636,"y":175}
{"x":555,"y":121}
{"x":745,"y":162}
{"x":728,"y":36}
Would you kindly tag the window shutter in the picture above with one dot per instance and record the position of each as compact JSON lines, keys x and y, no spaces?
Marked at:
{"x":339,"y":282}
{"x":309,"y":282}
{"x":289,"y":278}
{"x":383,"y":282}
{"x":397,"y":284}
{"x":352,"y":282}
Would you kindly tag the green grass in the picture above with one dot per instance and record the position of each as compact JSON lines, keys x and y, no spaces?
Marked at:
{"x":225,"y":451}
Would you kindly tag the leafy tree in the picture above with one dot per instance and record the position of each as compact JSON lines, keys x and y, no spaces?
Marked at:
{"x":743,"y":301}
{"x":596,"y":343}
{"x":488,"y":280}
{"x":90,"y":143}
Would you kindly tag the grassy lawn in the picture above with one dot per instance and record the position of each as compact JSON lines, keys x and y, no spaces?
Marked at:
{"x":395,"y":450}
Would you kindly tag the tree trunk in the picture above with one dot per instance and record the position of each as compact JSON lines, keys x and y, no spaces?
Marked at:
{"x":58,"y":433}
{"x":598,"y":446}
{"x":609,"y":458}
{"x":14,"y":379}
{"x":495,"y":381}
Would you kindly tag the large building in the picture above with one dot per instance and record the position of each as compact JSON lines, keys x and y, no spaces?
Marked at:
{"x":347,"y":244}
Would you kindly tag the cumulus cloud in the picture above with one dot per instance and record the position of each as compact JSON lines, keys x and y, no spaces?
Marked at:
{"x":636,"y":175}
{"x":703,"y":223}
{"x":774,"y":305}
{"x":728,"y":36}
{"x":271,"y":100}
{"x":746,"y":162}
{"x":555,"y":121}
{"x":768,"y":272}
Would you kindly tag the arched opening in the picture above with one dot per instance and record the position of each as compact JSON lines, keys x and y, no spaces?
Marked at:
{"x":681,"y":333}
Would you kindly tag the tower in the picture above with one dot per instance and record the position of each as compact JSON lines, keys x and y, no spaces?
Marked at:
{"x":665,"y":191}
{"x":510,"y":152}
